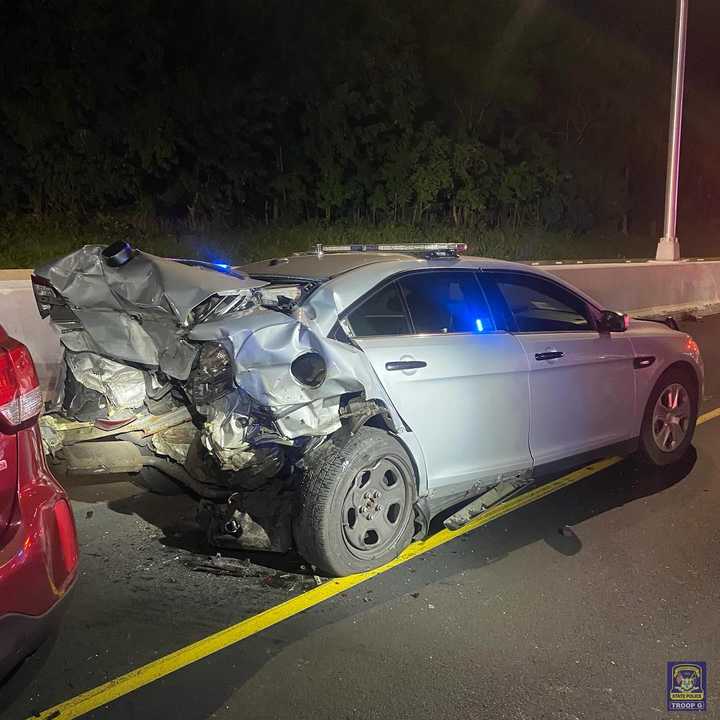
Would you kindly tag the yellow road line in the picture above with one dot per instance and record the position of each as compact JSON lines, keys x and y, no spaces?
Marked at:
{"x":146,"y":674}
{"x":711,"y":415}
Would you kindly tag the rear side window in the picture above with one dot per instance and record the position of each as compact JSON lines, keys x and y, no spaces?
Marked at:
{"x":538,"y":305}
{"x":383,"y":313}
{"x":446,"y":302}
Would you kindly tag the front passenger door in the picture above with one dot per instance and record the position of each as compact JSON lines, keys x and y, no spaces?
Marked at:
{"x":459,"y":385}
{"x":582,"y":385}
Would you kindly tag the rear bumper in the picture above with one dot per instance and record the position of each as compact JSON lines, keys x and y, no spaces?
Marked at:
{"x":38,"y":556}
{"x":21,"y":635}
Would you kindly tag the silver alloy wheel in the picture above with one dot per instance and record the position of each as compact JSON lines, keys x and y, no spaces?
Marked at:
{"x":671,"y":417}
{"x":375,"y":508}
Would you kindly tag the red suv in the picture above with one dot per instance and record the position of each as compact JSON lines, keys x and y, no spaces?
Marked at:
{"x":38,"y":544}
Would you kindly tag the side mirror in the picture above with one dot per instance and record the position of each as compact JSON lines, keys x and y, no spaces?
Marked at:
{"x":611,"y":321}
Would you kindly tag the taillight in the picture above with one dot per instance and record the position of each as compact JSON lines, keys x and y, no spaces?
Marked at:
{"x":20,"y":394}
{"x":66,"y":533}
{"x":45,"y":295}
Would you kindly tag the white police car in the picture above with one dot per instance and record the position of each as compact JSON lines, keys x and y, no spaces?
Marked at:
{"x":339,"y":399}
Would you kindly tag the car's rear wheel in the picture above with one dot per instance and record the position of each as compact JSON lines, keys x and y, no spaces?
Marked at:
{"x":670,"y":418}
{"x":356,"y":502}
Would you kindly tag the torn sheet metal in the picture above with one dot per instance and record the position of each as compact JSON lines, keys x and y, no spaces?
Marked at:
{"x":146,"y":283}
{"x":175,"y":441}
{"x":156,"y":345}
{"x":264,"y":343}
{"x":115,"y":334}
{"x":238,"y":438}
{"x":142,"y":312}
{"x":123,"y":386}
{"x":225,"y":434}
{"x":138,"y":312}
{"x":51,"y":435}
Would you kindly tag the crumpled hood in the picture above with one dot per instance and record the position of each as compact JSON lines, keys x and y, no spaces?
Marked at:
{"x":146,"y":283}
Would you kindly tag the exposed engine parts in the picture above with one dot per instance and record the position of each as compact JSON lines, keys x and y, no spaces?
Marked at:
{"x":210,"y":377}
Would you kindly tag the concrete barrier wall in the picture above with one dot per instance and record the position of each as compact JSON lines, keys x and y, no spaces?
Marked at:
{"x":647,"y":288}
{"x":639,"y":288}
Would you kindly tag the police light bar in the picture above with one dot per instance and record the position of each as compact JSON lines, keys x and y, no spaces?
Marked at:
{"x":440,"y":248}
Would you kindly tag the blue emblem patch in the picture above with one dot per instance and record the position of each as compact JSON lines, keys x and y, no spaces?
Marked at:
{"x":687,"y":686}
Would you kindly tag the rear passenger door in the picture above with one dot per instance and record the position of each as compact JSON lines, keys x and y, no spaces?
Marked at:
{"x":460,"y":385}
{"x":582,"y":384}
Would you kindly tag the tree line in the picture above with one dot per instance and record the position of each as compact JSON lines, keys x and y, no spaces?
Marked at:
{"x":478,"y":113}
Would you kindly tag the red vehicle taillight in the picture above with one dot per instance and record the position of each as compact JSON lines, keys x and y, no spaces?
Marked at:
{"x":66,"y":534}
{"x":20,"y":394}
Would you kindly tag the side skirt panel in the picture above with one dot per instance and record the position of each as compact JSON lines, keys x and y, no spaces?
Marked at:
{"x":454,"y":495}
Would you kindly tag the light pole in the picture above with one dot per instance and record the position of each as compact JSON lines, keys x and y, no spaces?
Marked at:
{"x":668,"y":247}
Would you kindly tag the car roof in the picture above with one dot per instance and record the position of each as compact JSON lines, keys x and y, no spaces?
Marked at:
{"x":311,"y":266}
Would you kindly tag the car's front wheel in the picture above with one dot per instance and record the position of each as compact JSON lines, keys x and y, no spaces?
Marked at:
{"x":356,"y":502}
{"x":670,"y":418}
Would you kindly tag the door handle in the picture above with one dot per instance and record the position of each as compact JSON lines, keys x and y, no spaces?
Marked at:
{"x":643,"y":361}
{"x":549,"y":355}
{"x":405,"y":365}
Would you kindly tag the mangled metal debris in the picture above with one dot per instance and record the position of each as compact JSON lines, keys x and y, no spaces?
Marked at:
{"x":122,"y":386}
{"x":174,"y":442}
{"x":219,"y":565}
{"x":215,"y":378}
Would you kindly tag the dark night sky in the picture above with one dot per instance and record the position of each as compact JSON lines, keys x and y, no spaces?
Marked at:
{"x":649,"y":25}
{"x":476,"y":112}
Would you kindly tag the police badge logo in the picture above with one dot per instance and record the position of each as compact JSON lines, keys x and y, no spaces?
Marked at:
{"x":686,"y":686}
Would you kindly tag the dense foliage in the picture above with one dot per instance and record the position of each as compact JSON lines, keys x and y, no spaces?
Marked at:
{"x":468,"y":113}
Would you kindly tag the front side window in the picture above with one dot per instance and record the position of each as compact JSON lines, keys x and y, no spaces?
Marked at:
{"x":383,"y":313}
{"x":437,"y":302}
{"x":446,"y":302}
{"x":539,"y":305}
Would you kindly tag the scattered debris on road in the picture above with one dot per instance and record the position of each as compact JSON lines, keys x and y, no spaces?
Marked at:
{"x":219,"y":565}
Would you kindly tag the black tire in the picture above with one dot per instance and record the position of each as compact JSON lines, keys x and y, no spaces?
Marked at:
{"x":650,"y":452}
{"x":335,"y":524}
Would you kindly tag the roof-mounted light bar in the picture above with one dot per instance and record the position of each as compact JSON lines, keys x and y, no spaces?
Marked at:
{"x":438,"y":249}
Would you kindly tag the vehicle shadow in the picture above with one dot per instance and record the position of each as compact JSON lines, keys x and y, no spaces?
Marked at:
{"x":175,"y":517}
{"x":15,"y":684}
{"x":551,"y":520}
{"x":626,"y":482}
{"x":173,"y":513}
{"x":224,"y":674}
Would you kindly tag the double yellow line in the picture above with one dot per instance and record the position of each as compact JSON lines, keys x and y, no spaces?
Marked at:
{"x":146,"y":674}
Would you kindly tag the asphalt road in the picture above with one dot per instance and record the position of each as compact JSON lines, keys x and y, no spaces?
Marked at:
{"x":515,"y":620}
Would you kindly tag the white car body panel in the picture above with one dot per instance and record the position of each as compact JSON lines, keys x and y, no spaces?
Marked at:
{"x":583,"y":400}
{"x":666,"y":346}
{"x":469,"y":407}
{"x":592,"y":398}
